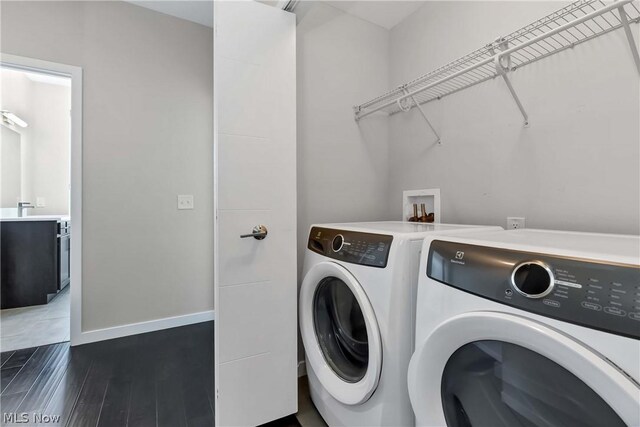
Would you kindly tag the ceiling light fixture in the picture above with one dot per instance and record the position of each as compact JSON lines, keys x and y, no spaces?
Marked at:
{"x":12,"y":119}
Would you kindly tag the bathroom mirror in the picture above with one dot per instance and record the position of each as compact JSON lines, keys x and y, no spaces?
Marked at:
{"x":35,"y":149}
{"x":10,"y":168}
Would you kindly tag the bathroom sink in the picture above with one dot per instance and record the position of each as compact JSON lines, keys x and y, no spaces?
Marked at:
{"x":37,"y":218}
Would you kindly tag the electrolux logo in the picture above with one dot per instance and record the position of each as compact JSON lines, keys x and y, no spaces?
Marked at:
{"x":459,"y":259}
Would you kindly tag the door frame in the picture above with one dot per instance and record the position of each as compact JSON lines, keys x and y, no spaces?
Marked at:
{"x":216,"y":227}
{"x":75,"y":74}
{"x":431,"y":356}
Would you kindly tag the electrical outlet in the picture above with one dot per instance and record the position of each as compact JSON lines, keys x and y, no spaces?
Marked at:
{"x":41,"y":202}
{"x":515,"y":222}
{"x":185,"y":201}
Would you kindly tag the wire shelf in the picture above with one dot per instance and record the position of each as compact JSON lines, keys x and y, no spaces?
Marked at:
{"x":576,"y":23}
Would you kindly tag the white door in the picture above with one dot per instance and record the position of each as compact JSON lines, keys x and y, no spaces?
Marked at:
{"x":497,"y":369}
{"x":340,"y":333}
{"x":255,"y":163}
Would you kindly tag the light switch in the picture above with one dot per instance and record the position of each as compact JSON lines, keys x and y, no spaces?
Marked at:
{"x":185,"y":201}
{"x":41,"y":202}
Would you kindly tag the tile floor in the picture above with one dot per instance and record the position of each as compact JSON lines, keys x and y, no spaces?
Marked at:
{"x":36,"y":325}
{"x":308,"y":415}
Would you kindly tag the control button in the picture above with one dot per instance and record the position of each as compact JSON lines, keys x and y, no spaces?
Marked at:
{"x":337,"y":243}
{"x":551,"y":303}
{"x":508,"y":292}
{"x":569,"y":284}
{"x":532,"y":279}
{"x":634,"y":316}
{"x":591,"y":305}
{"x":615,"y":311}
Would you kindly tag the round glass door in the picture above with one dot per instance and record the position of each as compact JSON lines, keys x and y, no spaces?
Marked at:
{"x":341,"y":329}
{"x":494,"y":383}
{"x":340,"y":334}
{"x":492,"y":369}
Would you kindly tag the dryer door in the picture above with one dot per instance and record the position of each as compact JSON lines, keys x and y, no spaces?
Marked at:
{"x":340,"y":333}
{"x":496,"y":369}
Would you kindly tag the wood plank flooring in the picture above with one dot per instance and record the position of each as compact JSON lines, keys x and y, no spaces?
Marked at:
{"x":157,"y":379}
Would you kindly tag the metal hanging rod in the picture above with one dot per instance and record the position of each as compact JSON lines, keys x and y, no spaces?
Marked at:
{"x":563,"y":29}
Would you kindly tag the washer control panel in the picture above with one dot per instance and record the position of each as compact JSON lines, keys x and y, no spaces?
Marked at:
{"x":351,"y":246}
{"x":598,"y":295}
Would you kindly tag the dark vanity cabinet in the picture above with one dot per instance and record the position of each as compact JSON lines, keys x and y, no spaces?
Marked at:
{"x":64,"y":254}
{"x":30,"y":260}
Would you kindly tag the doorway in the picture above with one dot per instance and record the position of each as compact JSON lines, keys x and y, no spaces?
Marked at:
{"x":40,"y":203}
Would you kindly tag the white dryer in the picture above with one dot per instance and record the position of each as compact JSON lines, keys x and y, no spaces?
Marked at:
{"x":528,"y":328}
{"x":357,"y":306}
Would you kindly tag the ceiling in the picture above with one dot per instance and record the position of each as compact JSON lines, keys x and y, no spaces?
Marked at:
{"x":36,"y":77}
{"x":48,"y":79}
{"x":386,"y":14}
{"x":200,"y":12}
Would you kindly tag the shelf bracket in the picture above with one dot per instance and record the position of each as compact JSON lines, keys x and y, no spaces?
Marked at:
{"x":503,"y":66}
{"x":424,"y":115}
{"x":627,"y":30}
{"x":356,"y":113}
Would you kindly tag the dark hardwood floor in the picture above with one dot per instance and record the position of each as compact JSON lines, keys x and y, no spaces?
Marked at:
{"x":157,"y":379}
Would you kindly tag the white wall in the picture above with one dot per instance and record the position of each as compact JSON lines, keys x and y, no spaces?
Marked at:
{"x":49,"y":148}
{"x":342,"y":167}
{"x":577,"y":167}
{"x":147,"y":137}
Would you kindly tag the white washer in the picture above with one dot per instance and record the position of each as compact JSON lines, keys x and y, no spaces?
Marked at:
{"x":528,"y":328}
{"x":357,"y":306}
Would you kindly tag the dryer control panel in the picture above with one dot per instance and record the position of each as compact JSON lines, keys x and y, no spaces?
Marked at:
{"x":601,"y":296}
{"x":351,"y":246}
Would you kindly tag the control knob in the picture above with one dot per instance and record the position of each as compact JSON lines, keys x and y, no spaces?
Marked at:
{"x":533,"y":279}
{"x":337,"y":243}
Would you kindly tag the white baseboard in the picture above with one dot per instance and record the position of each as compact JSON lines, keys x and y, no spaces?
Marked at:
{"x":142,"y":327}
{"x":302,"y":368}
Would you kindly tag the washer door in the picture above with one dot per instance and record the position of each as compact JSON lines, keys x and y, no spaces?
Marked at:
{"x":340,"y":333}
{"x":495,"y":369}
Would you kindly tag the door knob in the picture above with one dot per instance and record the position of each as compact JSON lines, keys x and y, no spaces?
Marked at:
{"x":259,"y":233}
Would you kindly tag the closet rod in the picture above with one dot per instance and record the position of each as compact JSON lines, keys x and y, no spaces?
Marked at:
{"x":523,"y":53}
{"x":422,"y":89}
